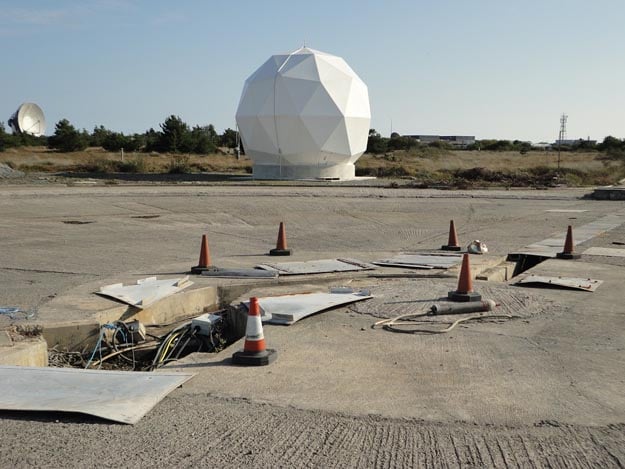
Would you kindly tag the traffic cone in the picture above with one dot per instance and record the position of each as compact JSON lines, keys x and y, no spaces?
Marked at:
{"x":205,"y":258}
{"x":452,"y":242}
{"x":255,"y":352}
{"x":464,"y":292}
{"x":568,"y":247}
{"x":281,"y":249}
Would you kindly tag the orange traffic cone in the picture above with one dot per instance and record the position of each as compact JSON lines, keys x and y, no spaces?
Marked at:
{"x":255,"y":352}
{"x":568,"y":247}
{"x":452,"y":242}
{"x":281,"y":249}
{"x":205,"y":258}
{"x":464,"y":292}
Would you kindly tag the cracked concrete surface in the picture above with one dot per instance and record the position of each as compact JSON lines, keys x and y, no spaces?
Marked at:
{"x":542,"y":391}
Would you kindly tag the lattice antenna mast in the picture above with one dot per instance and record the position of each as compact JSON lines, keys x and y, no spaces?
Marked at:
{"x":561,"y":134}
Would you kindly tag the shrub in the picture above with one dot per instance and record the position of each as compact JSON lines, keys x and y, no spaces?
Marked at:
{"x":179,"y":164}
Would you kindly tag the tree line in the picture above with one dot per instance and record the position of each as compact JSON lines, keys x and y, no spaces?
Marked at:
{"x":173,"y":136}
{"x":377,"y":144}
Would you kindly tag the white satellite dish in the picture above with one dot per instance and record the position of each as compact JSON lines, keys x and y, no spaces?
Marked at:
{"x":28,"y":119}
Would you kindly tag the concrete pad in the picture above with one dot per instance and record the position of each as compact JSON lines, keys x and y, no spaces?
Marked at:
{"x":608,"y":252}
{"x":29,"y":352}
{"x":540,"y":367}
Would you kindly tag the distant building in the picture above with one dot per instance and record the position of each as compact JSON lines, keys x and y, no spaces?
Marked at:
{"x":575,"y":142}
{"x":457,"y":141}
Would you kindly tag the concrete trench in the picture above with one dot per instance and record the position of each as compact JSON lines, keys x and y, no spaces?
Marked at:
{"x":80,"y":335}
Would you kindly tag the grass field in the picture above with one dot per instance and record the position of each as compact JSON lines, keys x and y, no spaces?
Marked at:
{"x":424,"y":166}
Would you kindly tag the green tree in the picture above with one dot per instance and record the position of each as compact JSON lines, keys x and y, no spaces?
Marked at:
{"x":214,"y":136}
{"x":98,"y":136}
{"x":6,"y":139}
{"x":66,"y":138}
{"x":203,"y":139}
{"x":397,"y":142}
{"x":175,"y":136}
{"x":150,"y":140}
{"x":228,"y":138}
{"x":376,"y":143}
{"x":610,"y":143}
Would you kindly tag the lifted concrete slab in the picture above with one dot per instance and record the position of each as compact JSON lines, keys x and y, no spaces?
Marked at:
{"x":583,"y":284}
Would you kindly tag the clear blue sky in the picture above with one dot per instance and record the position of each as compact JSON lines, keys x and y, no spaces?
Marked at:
{"x":493,"y":68}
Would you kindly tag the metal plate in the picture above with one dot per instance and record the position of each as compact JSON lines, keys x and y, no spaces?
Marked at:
{"x":146,"y":291}
{"x":121,"y":396}
{"x":608,"y":252}
{"x":584,"y":284}
{"x":288,"y":309}
{"x":321,"y":266}
{"x":422,"y":261}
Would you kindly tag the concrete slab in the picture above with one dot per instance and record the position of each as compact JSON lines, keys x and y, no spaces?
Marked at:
{"x":551,"y":246}
{"x":28,"y":352}
{"x":540,"y":367}
{"x":555,"y":377}
{"x":608,"y":252}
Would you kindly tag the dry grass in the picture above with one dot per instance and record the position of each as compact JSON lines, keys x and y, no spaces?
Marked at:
{"x":495,"y":161}
{"x":427,"y":165}
{"x":41,"y":159}
{"x":462,"y":168}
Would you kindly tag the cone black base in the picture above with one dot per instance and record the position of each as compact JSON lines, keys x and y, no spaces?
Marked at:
{"x":457,"y":296}
{"x":568,"y":255}
{"x":254,"y":359}
{"x":280,"y":252}
{"x":450,"y":248}
{"x":198,"y":270}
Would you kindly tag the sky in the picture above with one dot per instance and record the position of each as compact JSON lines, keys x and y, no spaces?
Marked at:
{"x":490,"y":68}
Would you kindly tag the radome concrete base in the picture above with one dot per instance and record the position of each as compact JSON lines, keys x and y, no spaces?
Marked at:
{"x":339,"y":172}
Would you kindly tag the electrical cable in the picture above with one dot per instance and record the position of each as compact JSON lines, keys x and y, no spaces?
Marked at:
{"x":395,"y":323}
{"x":136,"y":347}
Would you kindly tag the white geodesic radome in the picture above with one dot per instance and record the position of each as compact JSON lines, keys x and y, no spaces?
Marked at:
{"x":304,"y":115}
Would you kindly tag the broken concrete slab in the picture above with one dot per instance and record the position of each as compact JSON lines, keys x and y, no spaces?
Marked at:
{"x":288,"y":309}
{"x":120,"y":396}
{"x":584,"y":284}
{"x":321,"y":266}
{"x":146,"y":291}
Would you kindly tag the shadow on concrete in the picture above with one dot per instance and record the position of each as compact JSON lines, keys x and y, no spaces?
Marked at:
{"x":154,"y":177}
{"x":53,"y":417}
{"x":224,"y":362}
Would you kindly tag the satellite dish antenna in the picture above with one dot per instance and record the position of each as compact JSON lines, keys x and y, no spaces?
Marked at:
{"x":28,"y":119}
